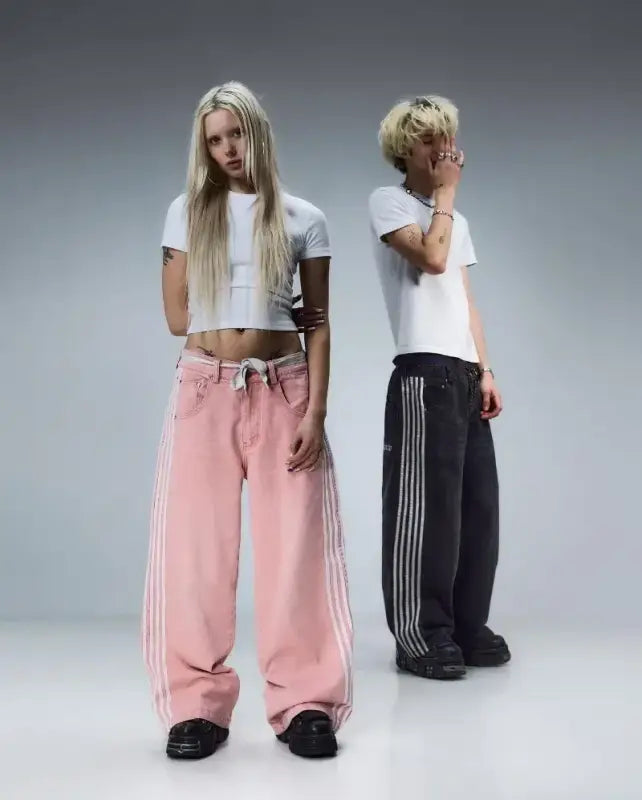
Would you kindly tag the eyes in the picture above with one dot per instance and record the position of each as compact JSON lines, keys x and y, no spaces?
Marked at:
{"x":237,"y":133}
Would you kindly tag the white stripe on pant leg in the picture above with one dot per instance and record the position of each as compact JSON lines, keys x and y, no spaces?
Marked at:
{"x":397,"y":572}
{"x":156,"y":618}
{"x":405,"y":523}
{"x":150,"y":554}
{"x":335,"y":581}
{"x":419,"y":530}
{"x":327,"y":573}
{"x":410,"y":515}
{"x":343,"y":594}
{"x":422,"y":513}
{"x":151,"y":580}
{"x":411,"y":563}
{"x":167,"y":709}
{"x":412,"y":521}
{"x":404,"y":581}
{"x":409,"y":528}
{"x":157,"y":574}
{"x":415,"y":527}
{"x":157,"y":621}
{"x":401,"y":520}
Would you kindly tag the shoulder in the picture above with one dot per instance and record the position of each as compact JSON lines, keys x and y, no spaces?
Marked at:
{"x":385,"y":196}
{"x":303,"y":209}
{"x":388,"y":191}
{"x":178,"y":205}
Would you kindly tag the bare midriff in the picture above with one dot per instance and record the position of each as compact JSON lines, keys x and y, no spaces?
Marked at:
{"x":235,"y":344}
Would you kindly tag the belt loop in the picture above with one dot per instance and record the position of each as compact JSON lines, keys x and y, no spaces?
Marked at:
{"x":272,"y":371}
{"x":217,"y":370}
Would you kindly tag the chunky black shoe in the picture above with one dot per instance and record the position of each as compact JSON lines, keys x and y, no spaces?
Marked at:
{"x":442,"y":661}
{"x":310,"y":735}
{"x":195,"y":738}
{"x":485,"y":649}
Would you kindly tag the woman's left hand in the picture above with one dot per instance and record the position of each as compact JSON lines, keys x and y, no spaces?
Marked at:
{"x":307,"y":444}
{"x":491,"y":398}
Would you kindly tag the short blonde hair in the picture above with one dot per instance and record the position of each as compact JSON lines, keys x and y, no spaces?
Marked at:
{"x":409,"y":120}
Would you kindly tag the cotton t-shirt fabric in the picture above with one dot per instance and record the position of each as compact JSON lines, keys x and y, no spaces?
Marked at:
{"x":242,"y":304}
{"x":427,"y":313}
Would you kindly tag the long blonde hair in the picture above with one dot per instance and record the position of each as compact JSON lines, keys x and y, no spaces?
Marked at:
{"x":408,"y":120}
{"x":207,"y":199}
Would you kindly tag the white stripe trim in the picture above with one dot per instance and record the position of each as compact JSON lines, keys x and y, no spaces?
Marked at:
{"x":156,"y":650}
{"x":402,"y":526}
{"x":418,"y":530}
{"x":343,"y":590}
{"x":166,"y":689}
{"x":336,"y":583}
{"x":408,"y":544}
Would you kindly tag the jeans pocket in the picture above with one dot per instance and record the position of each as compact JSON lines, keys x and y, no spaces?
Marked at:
{"x":293,"y":392}
{"x":191,"y":396}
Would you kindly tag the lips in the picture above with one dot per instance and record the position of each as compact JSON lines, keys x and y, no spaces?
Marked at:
{"x":234,"y":164}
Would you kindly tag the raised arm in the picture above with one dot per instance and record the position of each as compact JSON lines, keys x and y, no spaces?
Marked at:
{"x":427,"y":252}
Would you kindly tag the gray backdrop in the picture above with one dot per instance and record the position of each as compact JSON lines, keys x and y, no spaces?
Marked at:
{"x":97,"y":102}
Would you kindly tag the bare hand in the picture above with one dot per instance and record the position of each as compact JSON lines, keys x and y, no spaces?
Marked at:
{"x":447,"y":168}
{"x":491,"y":399}
{"x":306,"y":445}
{"x":307,"y":318}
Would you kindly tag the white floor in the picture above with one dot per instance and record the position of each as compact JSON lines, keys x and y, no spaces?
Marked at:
{"x":561,"y":721}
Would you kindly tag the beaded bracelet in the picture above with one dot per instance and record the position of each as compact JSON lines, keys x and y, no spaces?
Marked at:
{"x":445,"y":213}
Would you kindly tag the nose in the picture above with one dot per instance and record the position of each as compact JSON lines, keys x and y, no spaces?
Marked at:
{"x":231,"y":148}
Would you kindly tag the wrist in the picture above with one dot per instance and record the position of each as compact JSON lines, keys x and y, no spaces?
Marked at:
{"x":317,"y":413}
{"x":444,"y":197}
{"x":485,"y":369}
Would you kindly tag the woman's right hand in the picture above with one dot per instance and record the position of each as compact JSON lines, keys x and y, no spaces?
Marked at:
{"x":447,"y":170}
{"x":305,"y":318}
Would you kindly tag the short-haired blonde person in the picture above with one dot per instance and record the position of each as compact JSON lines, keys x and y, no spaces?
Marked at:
{"x":440,"y":488}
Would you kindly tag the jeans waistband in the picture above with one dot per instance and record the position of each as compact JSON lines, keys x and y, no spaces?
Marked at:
{"x":239,"y":373}
{"x":414,"y":360}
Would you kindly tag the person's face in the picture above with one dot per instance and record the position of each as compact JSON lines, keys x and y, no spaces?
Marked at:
{"x":226,"y":142}
{"x":425,"y":149}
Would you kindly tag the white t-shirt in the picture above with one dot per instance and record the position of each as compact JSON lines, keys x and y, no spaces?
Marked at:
{"x":427,"y":313}
{"x":242,"y":304}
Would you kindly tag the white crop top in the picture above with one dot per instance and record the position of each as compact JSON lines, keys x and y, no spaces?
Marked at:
{"x":241,"y":304}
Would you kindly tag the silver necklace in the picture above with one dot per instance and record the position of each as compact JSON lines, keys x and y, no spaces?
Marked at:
{"x":419,"y":197}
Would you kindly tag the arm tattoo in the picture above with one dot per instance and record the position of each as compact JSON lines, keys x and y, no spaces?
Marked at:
{"x":442,"y":238}
{"x":167,"y":255}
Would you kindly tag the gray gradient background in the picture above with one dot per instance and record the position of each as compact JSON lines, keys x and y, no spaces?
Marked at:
{"x":96,"y":104}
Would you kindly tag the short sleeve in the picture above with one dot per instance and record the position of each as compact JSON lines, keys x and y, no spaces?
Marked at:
{"x":175,"y":230}
{"x":389,"y":211}
{"x":468,"y":256}
{"x":316,"y":240}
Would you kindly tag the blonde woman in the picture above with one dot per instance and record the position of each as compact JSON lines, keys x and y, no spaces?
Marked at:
{"x":248,"y":403}
{"x":440,"y":487}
